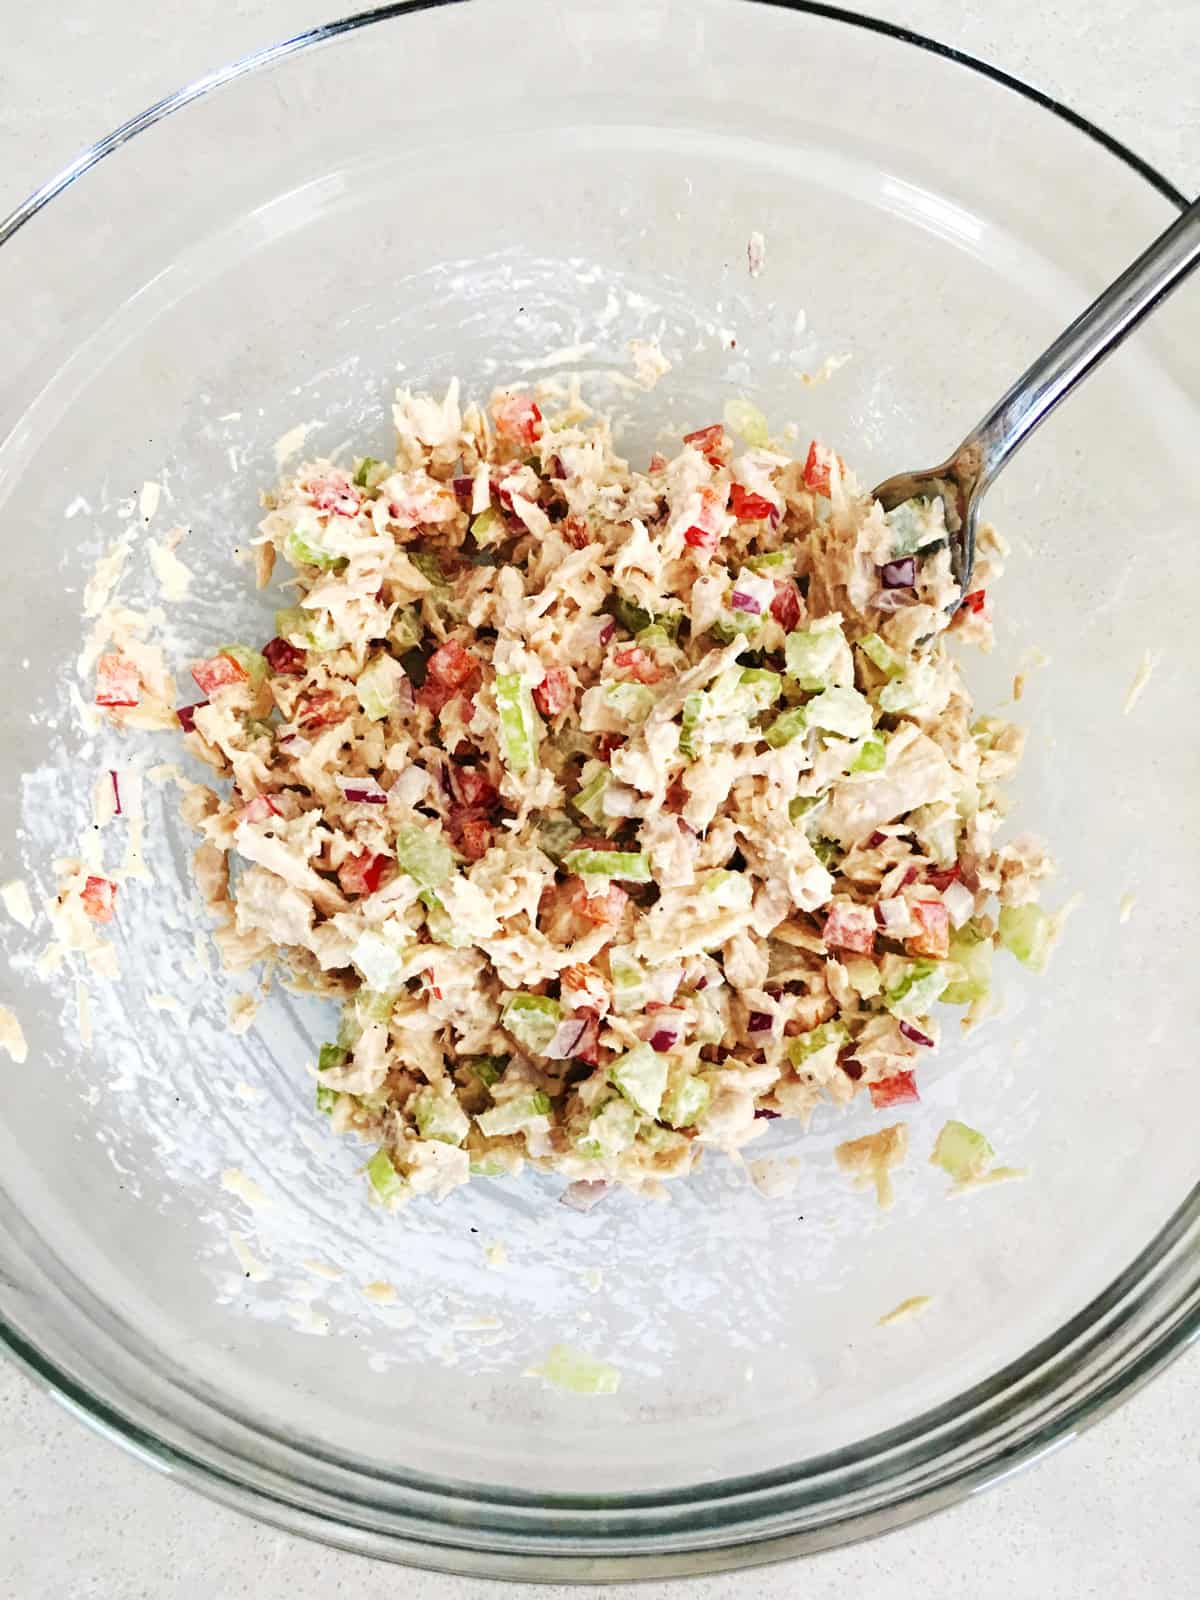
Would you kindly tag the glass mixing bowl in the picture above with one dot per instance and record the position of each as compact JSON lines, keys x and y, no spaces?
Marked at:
{"x":461,"y":189}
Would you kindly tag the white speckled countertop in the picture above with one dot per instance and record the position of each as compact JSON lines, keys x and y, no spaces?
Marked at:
{"x":1117,"y":1512}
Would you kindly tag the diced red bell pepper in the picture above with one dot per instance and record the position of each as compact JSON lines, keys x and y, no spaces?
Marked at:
{"x":218,"y":672}
{"x":284,"y":659}
{"x":976,"y":601}
{"x":474,"y":788}
{"x":817,"y":467}
{"x":450,"y":665}
{"x":118,"y":682}
{"x":517,"y":418}
{"x":932,"y":936}
{"x":588,"y":1047}
{"x":553,"y":695}
{"x":639,"y":664}
{"x":319,"y":709}
{"x":894,"y":1091}
{"x":657,"y":462}
{"x":99,"y":896}
{"x":747,"y":506}
{"x":706,"y":530}
{"x":850,"y":927}
{"x":604,"y":909}
{"x":362,"y":874}
{"x":710,"y":442}
{"x":785,"y":607}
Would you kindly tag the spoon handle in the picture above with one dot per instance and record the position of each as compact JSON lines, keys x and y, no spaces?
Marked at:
{"x":1082,"y":346}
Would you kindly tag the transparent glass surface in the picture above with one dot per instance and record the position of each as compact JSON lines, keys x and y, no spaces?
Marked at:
{"x":462,"y":190}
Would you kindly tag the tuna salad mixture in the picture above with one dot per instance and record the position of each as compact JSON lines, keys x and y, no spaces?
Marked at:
{"x":621,"y":810}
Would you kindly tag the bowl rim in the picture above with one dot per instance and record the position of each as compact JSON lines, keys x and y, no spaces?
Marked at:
{"x":1070,"y":1379}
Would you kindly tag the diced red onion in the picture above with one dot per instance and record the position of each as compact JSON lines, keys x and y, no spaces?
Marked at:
{"x":853,"y":1069}
{"x":116,"y":793}
{"x":763,"y":1115}
{"x":295,"y":744}
{"x":959,"y":902}
{"x":915,"y":1034}
{"x":911,"y":875}
{"x":607,"y":631}
{"x":759,"y":1022}
{"x":187,"y":715}
{"x":893,"y":599}
{"x":464,"y":488}
{"x":741,"y":601}
{"x":664,"y":1039}
{"x":361,"y":791}
{"x":893,"y":914}
{"x":901,"y":574}
{"x":567,"y":1037}
{"x":583,"y":1195}
{"x":876,"y":840}
{"x":557,"y":470}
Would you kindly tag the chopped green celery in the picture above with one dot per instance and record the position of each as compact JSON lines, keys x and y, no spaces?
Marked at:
{"x":803,"y":805}
{"x":881,"y":653}
{"x":486,"y":1166}
{"x":304,"y":550}
{"x":816,"y":656}
{"x":743,"y":417}
{"x":732,"y":891}
{"x":775,"y":563}
{"x":488,"y":1069}
{"x":922,"y":984}
{"x":350,"y":1024}
{"x":442,"y":925}
{"x":971,"y":955}
{"x":731,"y":625}
{"x":332,"y":1055}
{"x":685,"y":1101}
{"x":655,"y":637}
{"x":842,"y":711}
{"x":629,"y":614}
{"x":406,"y":631}
{"x":515,"y":1115}
{"x":633,"y":701}
{"x":912,"y":526}
{"x":310,"y":630}
{"x":519,"y":726}
{"x":641,"y":1076}
{"x":871,"y":758}
{"x":424,"y":856}
{"x":589,"y":802}
{"x":378,"y":687}
{"x":628,"y":979}
{"x":556,"y":834}
{"x":986,"y":730}
{"x":659,"y":1139}
{"x":379,"y":960}
{"x":256,"y":728}
{"x":630,"y":865}
{"x":909,"y":692}
{"x":429,"y":566}
{"x":327,"y":1098}
{"x":759,"y":688}
{"x":613,"y":1129}
{"x":961,"y":1152}
{"x":532,"y":1019}
{"x":251,"y":662}
{"x":363,"y":473}
{"x":439,"y":1116}
{"x":385,"y":1180}
{"x":863,"y":975}
{"x":826,"y":851}
{"x":375,"y":1005}
{"x":694,"y":706}
{"x":829,"y":1037}
{"x":488,"y":528}
{"x":1028,"y":933}
{"x":577,"y":1372}
{"x":788,"y":725}
{"x":936,"y":827}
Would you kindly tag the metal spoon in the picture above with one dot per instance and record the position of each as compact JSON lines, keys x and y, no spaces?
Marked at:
{"x":965,"y":477}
